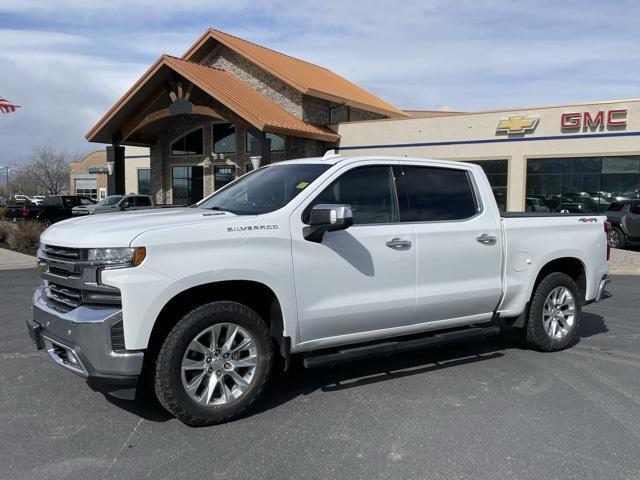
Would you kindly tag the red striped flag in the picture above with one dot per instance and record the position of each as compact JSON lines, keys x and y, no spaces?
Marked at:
{"x":6,"y":106}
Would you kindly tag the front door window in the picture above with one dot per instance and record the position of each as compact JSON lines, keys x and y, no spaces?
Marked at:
{"x":187,"y":185}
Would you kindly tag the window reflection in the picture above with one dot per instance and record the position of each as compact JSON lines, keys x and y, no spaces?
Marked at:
{"x":582,"y":184}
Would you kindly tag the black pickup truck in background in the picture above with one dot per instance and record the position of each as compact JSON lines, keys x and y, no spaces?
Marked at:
{"x":53,"y":209}
{"x":624,"y":217}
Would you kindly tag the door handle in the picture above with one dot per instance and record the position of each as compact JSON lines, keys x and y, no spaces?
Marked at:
{"x":487,"y":239}
{"x":399,"y":244}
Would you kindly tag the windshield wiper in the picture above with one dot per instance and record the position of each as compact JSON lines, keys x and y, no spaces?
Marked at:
{"x":220,"y":209}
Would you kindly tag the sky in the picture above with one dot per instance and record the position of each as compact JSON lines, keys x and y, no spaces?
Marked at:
{"x":67,"y":61}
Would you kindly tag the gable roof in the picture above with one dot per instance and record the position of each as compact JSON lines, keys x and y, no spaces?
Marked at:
{"x":305,"y":77}
{"x":230,"y":91}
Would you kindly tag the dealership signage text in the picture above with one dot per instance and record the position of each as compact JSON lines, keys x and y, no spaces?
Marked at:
{"x":616,"y":118}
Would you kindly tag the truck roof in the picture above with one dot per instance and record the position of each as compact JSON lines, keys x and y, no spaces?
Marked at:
{"x":334,"y":159}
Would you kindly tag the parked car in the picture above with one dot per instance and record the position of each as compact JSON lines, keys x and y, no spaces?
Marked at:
{"x":533,"y":204}
{"x":330,"y":258}
{"x":37,"y":199}
{"x":116,"y":203}
{"x":574,"y":208}
{"x":625,"y":222}
{"x":53,"y":208}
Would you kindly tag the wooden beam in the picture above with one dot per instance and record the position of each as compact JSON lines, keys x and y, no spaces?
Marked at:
{"x":164,"y":113}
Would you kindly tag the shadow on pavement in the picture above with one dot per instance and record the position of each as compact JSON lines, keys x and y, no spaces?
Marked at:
{"x":592,"y":324}
{"x":299,"y":381}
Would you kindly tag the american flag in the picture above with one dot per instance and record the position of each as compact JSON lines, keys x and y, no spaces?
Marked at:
{"x":6,"y":106}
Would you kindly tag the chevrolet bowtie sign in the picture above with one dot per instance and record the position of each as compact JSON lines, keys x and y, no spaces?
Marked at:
{"x":519,"y":124}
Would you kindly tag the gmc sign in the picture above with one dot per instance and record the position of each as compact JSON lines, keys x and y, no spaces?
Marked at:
{"x":594,"y":121}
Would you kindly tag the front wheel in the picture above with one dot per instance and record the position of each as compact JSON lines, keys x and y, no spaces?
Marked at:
{"x":214,"y":364}
{"x":554,"y":313}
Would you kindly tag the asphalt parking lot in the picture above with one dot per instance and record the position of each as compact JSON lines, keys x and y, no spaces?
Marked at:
{"x":488,"y":410}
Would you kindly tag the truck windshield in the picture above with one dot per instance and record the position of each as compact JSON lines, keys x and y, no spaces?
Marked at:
{"x":266,"y":189}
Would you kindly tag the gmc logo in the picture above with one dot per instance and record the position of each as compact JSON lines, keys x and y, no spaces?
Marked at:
{"x":594,"y":121}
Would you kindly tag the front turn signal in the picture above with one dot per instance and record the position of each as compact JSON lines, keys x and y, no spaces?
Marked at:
{"x":139,"y":255}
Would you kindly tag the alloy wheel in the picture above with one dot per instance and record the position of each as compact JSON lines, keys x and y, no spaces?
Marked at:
{"x":613,"y":237}
{"x":219,"y":364}
{"x":559,"y":313}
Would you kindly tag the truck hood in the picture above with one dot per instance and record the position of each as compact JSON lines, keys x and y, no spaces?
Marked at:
{"x":119,"y":229}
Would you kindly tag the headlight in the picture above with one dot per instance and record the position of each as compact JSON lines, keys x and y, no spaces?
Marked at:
{"x":118,"y":257}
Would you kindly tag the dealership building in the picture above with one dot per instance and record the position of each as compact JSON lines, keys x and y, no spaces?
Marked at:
{"x":228,"y":105}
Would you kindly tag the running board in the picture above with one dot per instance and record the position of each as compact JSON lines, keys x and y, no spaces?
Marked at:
{"x":388,"y":348}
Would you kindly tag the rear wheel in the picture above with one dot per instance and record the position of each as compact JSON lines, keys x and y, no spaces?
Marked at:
{"x":616,"y":238}
{"x":554,"y":313}
{"x":214,"y":364}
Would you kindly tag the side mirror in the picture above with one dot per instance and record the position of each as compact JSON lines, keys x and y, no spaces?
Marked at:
{"x":327,"y":218}
{"x":124,"y":205}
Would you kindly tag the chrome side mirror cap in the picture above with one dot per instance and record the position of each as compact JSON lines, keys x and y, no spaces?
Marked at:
{"x":326,"y":217}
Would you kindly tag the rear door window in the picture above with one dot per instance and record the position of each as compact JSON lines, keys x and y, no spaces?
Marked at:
{"x":438,"y":194}
{"x":143,"y":202}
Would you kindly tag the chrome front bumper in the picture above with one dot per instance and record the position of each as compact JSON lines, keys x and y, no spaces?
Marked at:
{"x":80,"y":340}
{"x":602,"y":293}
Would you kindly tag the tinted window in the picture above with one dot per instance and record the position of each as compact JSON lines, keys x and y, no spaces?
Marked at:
{"x":224,"y":138}
{"x":370,"y":191}
{"x":144,"y":181}
{"x":277,"y":142}
{"x":616,"y":207}
{"x":143,"y":201}
{"x":86,"y":201}
{"x":635,"y":208}
{"x":190,"y":144}
{"x":437,"y":194}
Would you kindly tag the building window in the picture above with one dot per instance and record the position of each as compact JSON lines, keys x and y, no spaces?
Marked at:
{"x":497,"y":173}
{"x":224,"y":138}
{"x":88,"y":188}
{"x":583,"y":184}
{"x":190,"y":144}
{"x":187,"y":185}
{"x":277,"y":142}
{"x":223,"y":174}
{"x":144,"y":181}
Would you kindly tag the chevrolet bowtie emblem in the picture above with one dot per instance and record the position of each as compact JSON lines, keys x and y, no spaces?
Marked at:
{"x":518,"y":124}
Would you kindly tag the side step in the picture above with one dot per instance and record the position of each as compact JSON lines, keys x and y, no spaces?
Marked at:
{"x":387,"y":348}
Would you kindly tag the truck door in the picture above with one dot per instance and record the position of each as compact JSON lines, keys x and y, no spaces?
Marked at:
{"x":363,"y":278}
{"x":632,"y":220}
{"x":459,"y":246}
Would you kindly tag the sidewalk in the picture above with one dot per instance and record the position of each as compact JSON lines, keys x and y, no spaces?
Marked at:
{"x":10,"y":260}
{"x":624,"y":262}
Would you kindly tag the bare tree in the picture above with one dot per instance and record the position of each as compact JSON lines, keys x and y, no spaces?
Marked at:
{"x":49,"y":168}
{"x":24,"y":182}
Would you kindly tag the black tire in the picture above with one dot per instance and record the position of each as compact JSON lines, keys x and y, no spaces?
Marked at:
{"x":167,"y":372}
{"x":617,"y":238}
{"x":536,"y":335}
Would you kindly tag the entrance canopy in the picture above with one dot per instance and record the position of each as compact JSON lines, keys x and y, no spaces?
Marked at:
{"x":174,"y":86}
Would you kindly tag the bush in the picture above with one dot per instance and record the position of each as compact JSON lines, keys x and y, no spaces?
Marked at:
{"x":25,"y":237}
{"x":3,"y":210}
{"x":6,"y":229}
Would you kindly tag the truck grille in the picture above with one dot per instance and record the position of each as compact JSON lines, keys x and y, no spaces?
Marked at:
{"x":64,"y":296}
{"x":72,"y":281}
{"x":61,"y":253}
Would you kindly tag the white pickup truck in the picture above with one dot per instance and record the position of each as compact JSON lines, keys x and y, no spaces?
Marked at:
{"x":331,"y":258}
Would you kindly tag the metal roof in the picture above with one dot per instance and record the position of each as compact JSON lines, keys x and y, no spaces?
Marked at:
{"x":306,"y":77}
{"x":230,"y":91}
